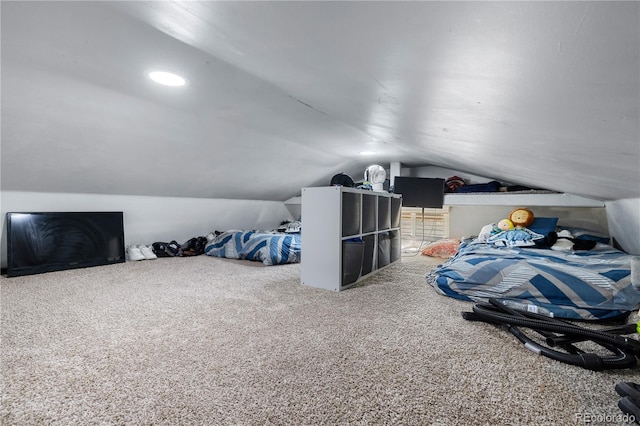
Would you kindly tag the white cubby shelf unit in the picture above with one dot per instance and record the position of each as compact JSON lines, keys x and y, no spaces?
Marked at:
{"x":348,"y":234}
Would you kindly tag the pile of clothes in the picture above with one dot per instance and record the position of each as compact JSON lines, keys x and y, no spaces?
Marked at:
{"x":192,"y":247}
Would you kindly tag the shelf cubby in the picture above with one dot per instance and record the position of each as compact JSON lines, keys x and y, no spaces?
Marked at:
{"x":348,"y":234}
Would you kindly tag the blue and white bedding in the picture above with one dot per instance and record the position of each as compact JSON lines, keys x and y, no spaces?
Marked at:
{"x":591,"y":285}
{"x":268,"y":248}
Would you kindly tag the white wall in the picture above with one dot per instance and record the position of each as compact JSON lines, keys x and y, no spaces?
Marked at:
{"x":465,"y":221}
{"x":624,"y":223}
{"x":151,"y":219}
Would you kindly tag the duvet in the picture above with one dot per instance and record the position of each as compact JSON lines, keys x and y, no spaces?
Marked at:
{"x":268,"y":248}
{"x":590,"y":285}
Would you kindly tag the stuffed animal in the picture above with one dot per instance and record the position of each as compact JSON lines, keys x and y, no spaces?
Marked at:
{"x":521,"y":217}
{"x":505,"y":225}
{"x":492,"y":229}
{"x":487,"y":231}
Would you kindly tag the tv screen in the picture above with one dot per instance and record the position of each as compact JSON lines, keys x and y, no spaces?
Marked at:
{"x":420,"y":192}
{"x":44,"y":242}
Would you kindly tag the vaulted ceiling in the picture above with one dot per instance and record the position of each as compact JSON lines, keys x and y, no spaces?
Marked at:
{"x":283,"y":95}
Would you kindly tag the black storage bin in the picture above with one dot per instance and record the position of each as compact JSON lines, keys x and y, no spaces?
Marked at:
{"x":369,"y":250}
{"x":384,"y":216}
{"x":368,"y":213}
{"x":396,"y":242}
{"x":352,"y":252}
{"x":384,"y":249}
{"x":350,"y":214}
{"x":396,"y":212}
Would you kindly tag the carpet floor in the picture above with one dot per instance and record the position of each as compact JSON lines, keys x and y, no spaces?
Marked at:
{"x":209,"y":341}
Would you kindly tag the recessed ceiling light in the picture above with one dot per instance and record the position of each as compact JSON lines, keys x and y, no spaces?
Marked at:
{"x":167,"y":78}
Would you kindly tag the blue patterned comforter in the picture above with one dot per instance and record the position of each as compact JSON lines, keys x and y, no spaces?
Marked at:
{"x":590,"y":285}
{"x":268,"y":248}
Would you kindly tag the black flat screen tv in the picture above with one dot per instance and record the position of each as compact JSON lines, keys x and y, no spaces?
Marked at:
{"x":53,"y":241}
{"x":420,"y":192}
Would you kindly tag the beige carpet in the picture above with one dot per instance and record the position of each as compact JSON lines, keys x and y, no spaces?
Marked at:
{"x":207,"y":341}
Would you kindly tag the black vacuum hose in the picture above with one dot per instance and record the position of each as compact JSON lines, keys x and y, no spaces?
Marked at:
{"x":541,"y":323}
{"x":623,"y":349}
{"x":560,"y":340}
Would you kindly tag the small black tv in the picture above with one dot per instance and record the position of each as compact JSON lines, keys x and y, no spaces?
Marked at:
{"x":44,"y":242}
{"x":420,"y":192}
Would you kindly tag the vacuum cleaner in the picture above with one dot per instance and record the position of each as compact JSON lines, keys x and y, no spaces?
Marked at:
{"x":559,"y":338}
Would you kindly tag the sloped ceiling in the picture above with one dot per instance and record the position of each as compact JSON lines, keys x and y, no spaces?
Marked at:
{"x":283,"y":95}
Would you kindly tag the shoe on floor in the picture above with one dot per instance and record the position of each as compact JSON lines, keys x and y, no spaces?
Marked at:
{"x":173,"y":248}
{"x":147,"y":252}
{"x":134,"y":253}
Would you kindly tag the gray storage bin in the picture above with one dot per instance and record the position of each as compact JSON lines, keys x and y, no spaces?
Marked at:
{"x":352,"y":252}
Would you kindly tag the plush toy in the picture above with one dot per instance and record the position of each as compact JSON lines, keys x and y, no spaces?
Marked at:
{"x":521,"y":217}
{"x":505,"y":225}
{"x":487,"y":231}
{"x":492,"y":229}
